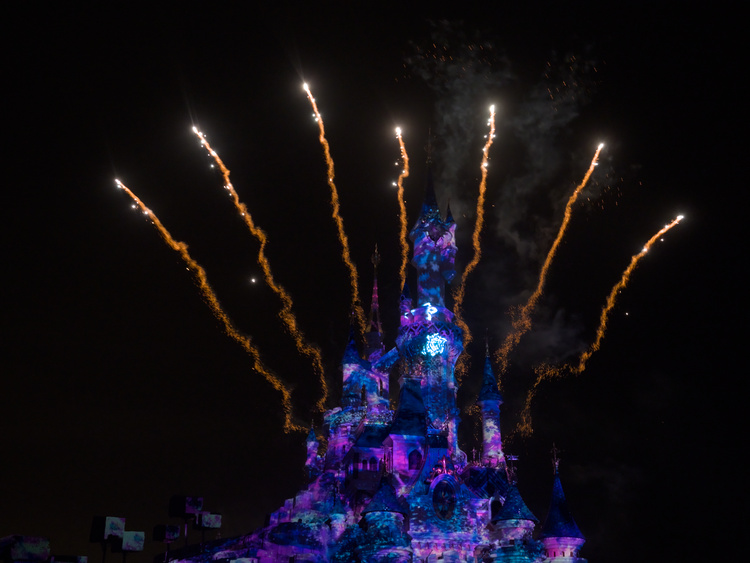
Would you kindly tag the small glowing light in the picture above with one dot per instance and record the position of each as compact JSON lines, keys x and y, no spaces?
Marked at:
{"x":680,"y":217}
{"x":398,"y":131}
{"x":252,"y":280}
{"x":601,"y":146}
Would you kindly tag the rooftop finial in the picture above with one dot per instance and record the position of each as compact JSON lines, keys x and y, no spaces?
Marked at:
{"x":555,"y":460}
{"x":511,"y":469}
{"x":428,"y":147}
{"x":375,"y":259}
{"x":374,"y":320}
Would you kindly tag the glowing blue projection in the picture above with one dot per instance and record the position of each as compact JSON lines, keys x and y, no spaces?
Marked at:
{"x":430,"y":311}
{"x":435,"y":345}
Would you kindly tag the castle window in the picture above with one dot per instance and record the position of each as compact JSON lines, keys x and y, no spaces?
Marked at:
{"x":415,"y":459}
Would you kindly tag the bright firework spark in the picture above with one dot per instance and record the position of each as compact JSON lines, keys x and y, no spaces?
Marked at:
{"x":546,"y":372}
{"x":335,"y":211}
{"x":521,"y":317}
{"x":201,"y":279}
{"x":402,"y":209}
{"x":286,"y":315}
{"x":458,"y":297}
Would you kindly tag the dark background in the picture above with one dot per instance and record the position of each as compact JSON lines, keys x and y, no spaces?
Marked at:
{"x":119,"y":388}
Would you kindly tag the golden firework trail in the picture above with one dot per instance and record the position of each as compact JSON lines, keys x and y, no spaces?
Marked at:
{"x":546,"y":372}
{"x":521,"y":317}
{"x":402,"y":209}
{"x":199,"y":274}
{"x":286,"y":315}
{"x":335,"y":212}
{"x":619,"y":286}
{"x":458,"y":297}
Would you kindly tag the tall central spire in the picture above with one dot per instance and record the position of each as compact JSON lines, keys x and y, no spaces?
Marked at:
{"x":434,"y":249}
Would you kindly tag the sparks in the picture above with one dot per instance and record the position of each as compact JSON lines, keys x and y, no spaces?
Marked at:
{"x":199,"y":274}
{"x":458,"y":297}
{"x":336,"y":213}
{"x":521,"y":317}
{"x":402,"y":210}
{"x":545,"y":372}
{"x":286,"y":315}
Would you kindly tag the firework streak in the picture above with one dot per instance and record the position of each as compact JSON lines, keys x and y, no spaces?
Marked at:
{"x":458,"y":297}
{"x":402,"y":210}
{"x":521,"y":317}
{"x":356,"y":305}
{"x":209,"y":295}
{"x":286,"y":315}
{"x":547,"y":372}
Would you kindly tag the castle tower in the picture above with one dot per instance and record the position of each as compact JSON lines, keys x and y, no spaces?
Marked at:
{"x":428,"y":342}
{"x":560,"y":535}
{"x":489,"y":402}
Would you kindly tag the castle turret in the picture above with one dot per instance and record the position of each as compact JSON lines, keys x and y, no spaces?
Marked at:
{"x":514,"y":521}
{"x":489,"y":402}
{"x":560,"y":535}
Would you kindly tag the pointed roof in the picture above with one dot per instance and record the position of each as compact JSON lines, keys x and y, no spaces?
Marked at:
{"x":489,"y":391}
{"x":514,"y":508}
{"x":386,"y":500}
{"x":311,"y":437}
{"x":559,"y":522}
{"x":374,"y":316}
{"x":351,"y":354}
{"x":410,"y":418}
{"x":430,"y":210}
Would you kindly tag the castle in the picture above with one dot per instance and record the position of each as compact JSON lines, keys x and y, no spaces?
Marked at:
{"x":394,"y":485}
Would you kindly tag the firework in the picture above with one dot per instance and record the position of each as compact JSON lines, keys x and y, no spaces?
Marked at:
{"x":199,"y":274}
{"x":286,"y":315}
{"x":402,"y":210}
{"x":619,"y":286}
{"x":335,"y":212}
{"x":458,"y":297}
{"x":546,"y":372}
{"x":521,"y":317}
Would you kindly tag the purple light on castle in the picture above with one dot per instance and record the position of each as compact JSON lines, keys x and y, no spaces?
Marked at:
{"x":394,"y":485}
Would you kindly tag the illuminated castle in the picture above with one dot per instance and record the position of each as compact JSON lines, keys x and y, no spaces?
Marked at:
{"x":394,"y":485}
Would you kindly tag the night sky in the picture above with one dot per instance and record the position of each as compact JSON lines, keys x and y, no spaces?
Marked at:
{"x":119,"y":387}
